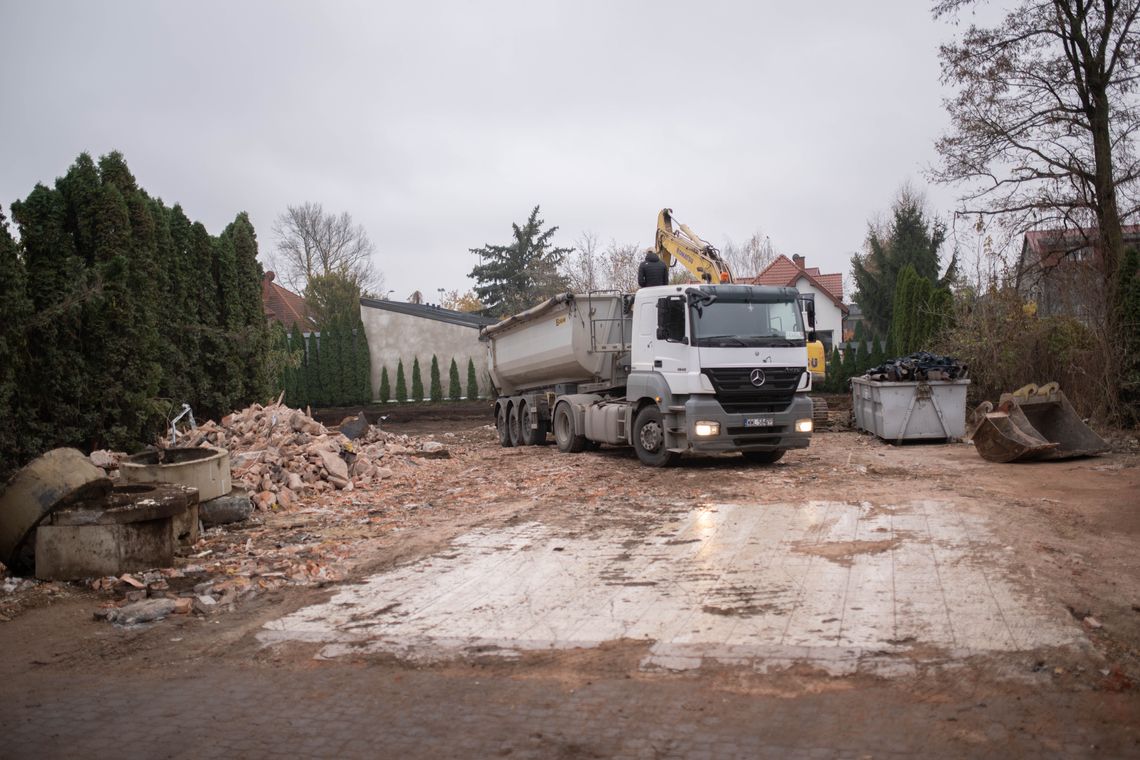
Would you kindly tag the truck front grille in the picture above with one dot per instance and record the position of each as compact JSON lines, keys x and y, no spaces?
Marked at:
{"x":737,"y":394}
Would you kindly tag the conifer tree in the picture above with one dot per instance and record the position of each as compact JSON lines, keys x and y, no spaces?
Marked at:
{"x":297,"y":347}
{"x":454,"y":389}
{"x":835,"y":381}
{"x":363,"y":359}
{"x":253,"y":344}
{"x":314,"y":385}
{"x":436,"y":382}
{"x":385,"y":389}
{"x":417,"y":381}
{"x":15,"y":309}
{"x":56,"y":382}
{"x":401,"y":384}
{"x":330,"y":364}
{"x":472,"y":381}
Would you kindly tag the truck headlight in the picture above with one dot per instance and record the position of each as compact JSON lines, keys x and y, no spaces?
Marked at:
{"x":704,"y":428}
{"x":803,"y":426}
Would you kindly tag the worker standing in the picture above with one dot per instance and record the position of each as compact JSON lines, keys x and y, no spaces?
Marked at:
{"x":652,"y":271}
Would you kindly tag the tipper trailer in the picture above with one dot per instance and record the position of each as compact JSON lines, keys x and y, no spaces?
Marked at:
{"x":669,"y":369}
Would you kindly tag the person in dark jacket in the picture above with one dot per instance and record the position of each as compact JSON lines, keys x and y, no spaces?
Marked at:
{"x":652,"y":271}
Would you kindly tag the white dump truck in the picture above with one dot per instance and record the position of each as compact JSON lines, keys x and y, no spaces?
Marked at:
{"x":670,"y":369}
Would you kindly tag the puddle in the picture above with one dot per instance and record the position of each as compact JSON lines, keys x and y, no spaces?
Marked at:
{"x":842,"y":586}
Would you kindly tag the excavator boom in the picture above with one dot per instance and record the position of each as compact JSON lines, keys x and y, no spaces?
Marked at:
{"x":683,"y":246}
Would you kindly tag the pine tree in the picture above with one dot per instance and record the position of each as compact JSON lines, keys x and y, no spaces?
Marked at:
{"x":436,"y":384}
{"x":385,"y":389}
{"x":515,"y":276}
{"x":454,"y":389}
{"x":401,"y":384}
{"x":472,"y":381}
{"x":417,"y":381}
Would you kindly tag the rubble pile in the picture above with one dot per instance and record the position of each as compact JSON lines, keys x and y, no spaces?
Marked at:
{"x":282,"y":454}
{"x":922,"y":366}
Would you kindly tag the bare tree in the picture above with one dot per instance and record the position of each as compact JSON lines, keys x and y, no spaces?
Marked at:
{"x":1045,"y":119}
{"x":311,"y":241}
{"x":750,"y":258}
{"x":582,"y":266}
{"x":620,"y":266}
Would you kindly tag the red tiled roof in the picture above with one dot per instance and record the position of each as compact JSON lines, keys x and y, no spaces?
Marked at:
{"x":283,"y":305}
{"x":1050,"y":246}
{"x":783,"y":272}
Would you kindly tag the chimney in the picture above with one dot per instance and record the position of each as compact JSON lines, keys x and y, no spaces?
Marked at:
{"x":798,"y":260}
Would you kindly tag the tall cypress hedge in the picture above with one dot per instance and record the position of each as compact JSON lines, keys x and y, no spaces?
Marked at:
{"x":122,"y":309}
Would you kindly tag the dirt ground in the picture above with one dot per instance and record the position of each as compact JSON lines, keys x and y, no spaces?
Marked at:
{"x":1073,"y":527}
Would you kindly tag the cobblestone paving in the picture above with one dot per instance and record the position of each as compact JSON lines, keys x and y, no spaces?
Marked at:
{"x":373,"y":711}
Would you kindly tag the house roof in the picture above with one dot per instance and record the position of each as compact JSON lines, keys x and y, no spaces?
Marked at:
{"x":429,"y":311}
{"x":1048,"y":247}
{"x":783,"y":272}
{"x":283,"y":305}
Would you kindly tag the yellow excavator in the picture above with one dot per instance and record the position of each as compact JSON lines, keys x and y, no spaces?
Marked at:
{"x":681,"y":245}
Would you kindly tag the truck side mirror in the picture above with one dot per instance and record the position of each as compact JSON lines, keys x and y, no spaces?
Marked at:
{"x":812,"y":336}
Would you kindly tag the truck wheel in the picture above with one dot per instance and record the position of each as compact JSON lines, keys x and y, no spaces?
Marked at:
{"x":649,"y":439}
{"x":502,"y":427}
{"x":568,"y":439}
{"x":531,"y":437}
{"x":514,"y":426}
{"x":764,"y":457}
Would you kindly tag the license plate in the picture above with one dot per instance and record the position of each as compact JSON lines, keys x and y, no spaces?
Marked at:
{"x":758,"y":422}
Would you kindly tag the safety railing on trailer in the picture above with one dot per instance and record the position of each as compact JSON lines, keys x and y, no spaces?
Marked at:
{"x":616,"y":348}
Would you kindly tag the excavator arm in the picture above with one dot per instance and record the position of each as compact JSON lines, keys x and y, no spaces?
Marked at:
{"x":682,"y":245}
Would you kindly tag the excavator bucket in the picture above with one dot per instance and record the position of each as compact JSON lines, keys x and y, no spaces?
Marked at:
{"x":1032,"y":424}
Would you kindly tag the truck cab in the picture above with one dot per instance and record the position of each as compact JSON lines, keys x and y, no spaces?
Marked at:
{"x":718,"y":368}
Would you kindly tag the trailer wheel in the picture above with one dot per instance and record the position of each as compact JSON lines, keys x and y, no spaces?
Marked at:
{"x":649,"y":439}
{"x":502,"y":426}
{"x":569,"y":441}
{"x":764,"y":457}
{"x":515,"y":426}
{"x":530,"y":436}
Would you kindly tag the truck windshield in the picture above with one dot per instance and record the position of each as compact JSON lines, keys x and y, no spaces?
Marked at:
{"x":725,"y":323}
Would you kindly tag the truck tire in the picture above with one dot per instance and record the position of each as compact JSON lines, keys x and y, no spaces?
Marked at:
{"x":502,"y":426}
{"x":649,"y":439}
{"x":764,"y":457}
{"x":565,"y":434}
{"x":514,"y":426}
{"x":531,"y":436}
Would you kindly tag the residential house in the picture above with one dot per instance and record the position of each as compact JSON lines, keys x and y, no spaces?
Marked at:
{"x":830,"y":310}
{"x":1060,"y":271}
{"x":399,"y":331}
{"x":284,"y":306}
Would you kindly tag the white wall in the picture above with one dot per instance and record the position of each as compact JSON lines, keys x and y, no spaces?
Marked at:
{"x":393,"y":336}
{"x":827,"y":315}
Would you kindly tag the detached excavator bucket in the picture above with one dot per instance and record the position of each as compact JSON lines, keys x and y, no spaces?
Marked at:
{"x":1033,"y":424}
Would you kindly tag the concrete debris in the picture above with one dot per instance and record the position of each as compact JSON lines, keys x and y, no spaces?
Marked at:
{"x":282,"y":455}
{"x":138,"y":612}
{"x":106,"y":460}
{"x":233,"y":507}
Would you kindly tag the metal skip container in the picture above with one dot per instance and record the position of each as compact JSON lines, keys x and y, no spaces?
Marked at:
{"x":910,"y":410}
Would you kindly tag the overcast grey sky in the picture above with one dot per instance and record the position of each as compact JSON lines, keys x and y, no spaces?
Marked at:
{"x":436,"y":125}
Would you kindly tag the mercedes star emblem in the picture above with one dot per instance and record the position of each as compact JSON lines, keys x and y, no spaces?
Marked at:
{"x":757,"y":377}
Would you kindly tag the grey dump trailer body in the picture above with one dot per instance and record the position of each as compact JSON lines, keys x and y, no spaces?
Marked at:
{"x":636,"y":370}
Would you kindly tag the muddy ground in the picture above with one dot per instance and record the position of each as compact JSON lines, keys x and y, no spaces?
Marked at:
{"x":1072,"y":527}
